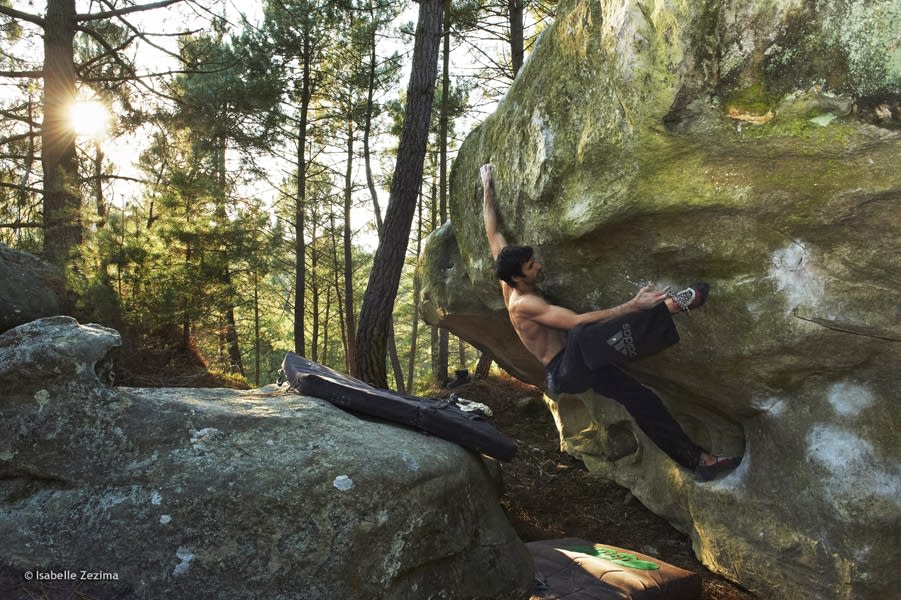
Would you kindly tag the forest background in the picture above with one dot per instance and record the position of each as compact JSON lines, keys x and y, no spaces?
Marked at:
{"x":212,"y":175}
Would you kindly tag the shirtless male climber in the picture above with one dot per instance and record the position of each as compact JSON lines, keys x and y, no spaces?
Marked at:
{"x":576,"y":352}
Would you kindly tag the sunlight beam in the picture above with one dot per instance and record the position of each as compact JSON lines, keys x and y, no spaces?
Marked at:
{"x":89,"y":118}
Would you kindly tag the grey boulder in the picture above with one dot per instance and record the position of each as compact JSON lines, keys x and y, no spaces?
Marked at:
{"x":30,"y":288}
{"x":189,"y":493}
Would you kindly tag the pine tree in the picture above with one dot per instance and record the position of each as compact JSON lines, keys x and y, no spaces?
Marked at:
{"x":378,"y":302}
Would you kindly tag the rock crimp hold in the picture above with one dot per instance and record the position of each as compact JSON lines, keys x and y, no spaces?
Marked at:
{"x":189,"y":493}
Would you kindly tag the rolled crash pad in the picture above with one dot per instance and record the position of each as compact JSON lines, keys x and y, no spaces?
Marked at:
{"x":440,"y":418}
{"x":575,"y":569}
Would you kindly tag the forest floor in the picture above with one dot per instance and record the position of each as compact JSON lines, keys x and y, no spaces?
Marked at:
{"x":549,"y":494}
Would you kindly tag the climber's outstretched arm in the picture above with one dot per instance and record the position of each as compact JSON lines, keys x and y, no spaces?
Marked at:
{"x":495,"y":239}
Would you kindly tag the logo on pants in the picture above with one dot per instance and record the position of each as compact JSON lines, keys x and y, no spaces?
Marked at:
{"x":623,"y":342}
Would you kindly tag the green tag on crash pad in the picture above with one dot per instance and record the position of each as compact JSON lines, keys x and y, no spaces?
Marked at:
{"x":618,"y":558}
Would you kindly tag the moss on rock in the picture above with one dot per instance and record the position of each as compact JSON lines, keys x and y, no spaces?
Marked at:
{"x":753,"y":103}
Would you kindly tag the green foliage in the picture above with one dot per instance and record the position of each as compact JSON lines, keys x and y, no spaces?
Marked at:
{"x":201,"y":244}
{"x":229,"y":93}
{"x":458,"y":106}
{"x":189,"y":243}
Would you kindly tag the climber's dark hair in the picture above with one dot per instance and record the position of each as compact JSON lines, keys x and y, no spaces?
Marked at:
{"x":509,"y":262}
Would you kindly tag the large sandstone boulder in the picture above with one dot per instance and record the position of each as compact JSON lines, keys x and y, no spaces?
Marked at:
{"x":29,"y":288}
{"x":214,"y":493}
{"x":755,"y":146}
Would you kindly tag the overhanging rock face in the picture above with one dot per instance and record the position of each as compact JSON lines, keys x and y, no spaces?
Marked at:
{"x":216,"y":493}
{"x":754,"y":147}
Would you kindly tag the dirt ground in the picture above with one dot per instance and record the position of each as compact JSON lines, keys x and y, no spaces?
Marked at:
{"x":549,"y":494}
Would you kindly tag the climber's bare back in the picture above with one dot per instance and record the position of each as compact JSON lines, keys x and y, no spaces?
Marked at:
{"x":543,"y":342}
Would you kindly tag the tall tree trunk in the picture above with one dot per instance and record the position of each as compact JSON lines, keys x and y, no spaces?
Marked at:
{"x":483,"y":367}
{"x":443,"y":348}
{"x":381,"y":292}
{"x":367,"y":124}
{"x":326,"y":322}
{"x":22,"y":201}
{"x":235,"y":363}
{"x":370,"y":181}
{"x":336,"y":269}
{"x":443,"y":123}
{"x":314,"y":284}
{"x":228,"y":339}
{"x":435,"y":334}
{"x":98,"y":185}
{"x":517,"y":34}
{"x":414,"y":336}
{"x":186,"y":310}
{"x":414,"y":339}
{"x":435,"y":339}
{"x":62,"y":201}
{"x":441,"y":373}
{"x":394,"y":359}
{"x":300,"y":248}
{"x":348,"y":254}
{"x":440,"y":354}
{"x":256,"y":327}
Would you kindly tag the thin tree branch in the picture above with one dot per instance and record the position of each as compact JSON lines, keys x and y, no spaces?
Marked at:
{"x":109,"y":51}
{"x":128,"y":68}
{"x":21,"y":136}
{"x":146,"y":39}
{"x":107,"y":177}
{"x":16,"y":186}
{"x":118,"y":12}
{"x":24,"y":16}
{"x":20,"y":225}
{"x":34,"y":74}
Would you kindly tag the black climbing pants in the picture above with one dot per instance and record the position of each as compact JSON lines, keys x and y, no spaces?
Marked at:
{"x":589,"y":361}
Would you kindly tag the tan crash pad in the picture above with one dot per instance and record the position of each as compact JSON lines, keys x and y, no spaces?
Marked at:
{"x":575,"y":569}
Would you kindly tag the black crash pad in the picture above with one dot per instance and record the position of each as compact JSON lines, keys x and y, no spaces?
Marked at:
{"x":437,"y":417}
{"x":575,"y":569}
